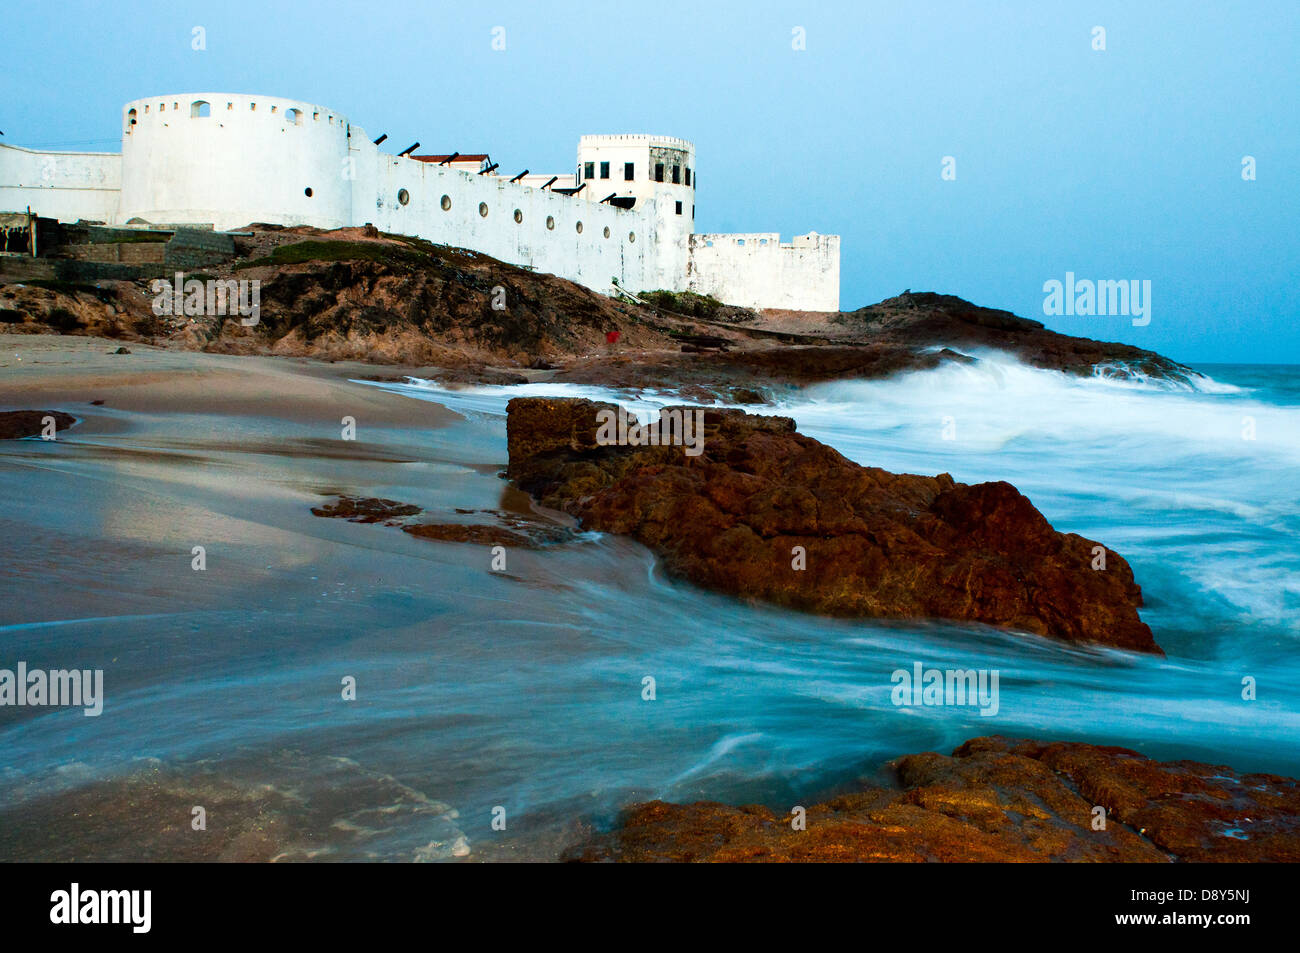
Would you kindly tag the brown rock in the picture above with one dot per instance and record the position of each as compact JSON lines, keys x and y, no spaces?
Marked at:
{"x":994,"y":799}
{"x":877,"y":543}
{"x":29,"y":423}
{"x":470,"y":533}
{"x":364,"y":509}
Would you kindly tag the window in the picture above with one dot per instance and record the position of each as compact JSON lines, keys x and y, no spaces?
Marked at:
{"x":677,"y":175}
{"x":607,"y":231}
{"x":294,"y":116}
{"x":631,"y":236}
{"x":740,"y":241}
{"x":579,"y":228}
{"x":403,"y":197}
{"x":252,"y":107}
{"x":679,"y":208}
{"x":519,"y":217}
{"x":307,"y":191}
{"x":589,"y":170}
{"x":762,"y":241}
{"x":200,"y":110}
{"x":130,"y":120}
{"x":550,"y":222}
{"x":483,"y":209}
{"x":659,"y":171}
{"x":688,"y":175}
{"x":273,"y":108}
{"x":604,"y":170}
{"x":629,"y":171}
{"x":446,"y":203}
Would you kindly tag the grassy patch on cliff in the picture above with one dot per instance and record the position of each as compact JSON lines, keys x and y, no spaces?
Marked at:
{"x":314,"y":251}
{"x":684,"y":302}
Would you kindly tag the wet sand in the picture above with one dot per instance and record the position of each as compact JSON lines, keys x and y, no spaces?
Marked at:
{"x":46,"y":371}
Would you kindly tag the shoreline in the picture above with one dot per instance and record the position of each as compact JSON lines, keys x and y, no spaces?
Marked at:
{"x":298,"y":400}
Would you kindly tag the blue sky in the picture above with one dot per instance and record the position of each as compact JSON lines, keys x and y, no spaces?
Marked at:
{"x":1115,"y":164}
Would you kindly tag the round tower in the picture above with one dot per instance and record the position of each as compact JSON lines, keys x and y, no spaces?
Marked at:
{"x":230,"y":159}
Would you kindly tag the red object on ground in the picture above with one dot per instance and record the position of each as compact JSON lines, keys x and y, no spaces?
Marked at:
{"x":612,"y":337}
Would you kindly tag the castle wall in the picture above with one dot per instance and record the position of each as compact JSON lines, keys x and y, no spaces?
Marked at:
{"x":756,"y":270}
{"x":231,"y":160}
{"x":523,"y":224}
{"x":63,"y":185}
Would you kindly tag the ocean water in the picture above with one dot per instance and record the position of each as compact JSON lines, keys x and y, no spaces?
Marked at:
{"x":522,"y":689}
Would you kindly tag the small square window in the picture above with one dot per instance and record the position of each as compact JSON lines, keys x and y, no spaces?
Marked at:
{"x":629,"y":171}
{"x":589,"y":170}
{"x":679,"y":208}
{"x":604,"y":170}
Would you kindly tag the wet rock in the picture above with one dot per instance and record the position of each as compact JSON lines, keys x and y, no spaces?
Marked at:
{"x":470,"y":533}
{"x":15,"y":424}
{"x":994,"y":799}
{"x":360,"y":509}
{"x":765,"y":512}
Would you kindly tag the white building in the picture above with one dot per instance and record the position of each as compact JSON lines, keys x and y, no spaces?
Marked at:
{"x":627,"y":214}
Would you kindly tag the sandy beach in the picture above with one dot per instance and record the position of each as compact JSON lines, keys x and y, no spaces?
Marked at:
{"x":40,"y":371}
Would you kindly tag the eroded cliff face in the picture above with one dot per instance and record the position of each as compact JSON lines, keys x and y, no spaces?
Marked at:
{"x":354,"y":294}
{"x":994,"y":799}
{"x":765,"y":512}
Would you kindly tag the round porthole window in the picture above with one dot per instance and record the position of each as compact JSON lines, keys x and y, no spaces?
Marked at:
{"x":579,"y":228}
{"x":550,"y":222}
{"x":403,"y":196}
{"x":482,"y":209}
{"x":631,"y":236}
{"x":307,"y":191}
{"x":607,"y":231}
{"x":446,"y":203}
{"x":519,"y":216}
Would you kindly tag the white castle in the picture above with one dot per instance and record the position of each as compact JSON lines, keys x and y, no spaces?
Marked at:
{"x":625,"y":219}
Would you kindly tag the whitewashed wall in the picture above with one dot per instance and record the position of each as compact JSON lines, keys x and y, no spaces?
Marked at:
{"x":756,"y":270}
{"x":63,"y":185}
{"x":612,"y":244}
{"x":666,"y":265}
